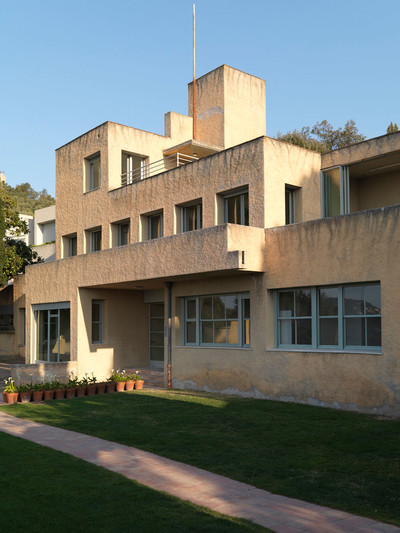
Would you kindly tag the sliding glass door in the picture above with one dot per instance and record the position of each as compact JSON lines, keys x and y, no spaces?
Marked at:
{"x":52,"y":333}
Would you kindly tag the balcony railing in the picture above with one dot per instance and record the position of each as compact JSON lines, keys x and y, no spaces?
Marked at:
{"x":147,"y":171}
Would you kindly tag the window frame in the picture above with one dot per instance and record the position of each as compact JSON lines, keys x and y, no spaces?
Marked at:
{"x":119,"y":237}
{"x":316,"y":317}
{"x":344,"y":191}
{"x":53,"y":310}
{"x":92,"y":234}
{"x":290,"y":195}
{"x":199,"y":216}
{"x":90,"y":161}
{"x":241,"y":319}
{"x":241,"y":194}
{"x":71,"y":239}
{"x":150,"y":236}
{"x":99,"y":322}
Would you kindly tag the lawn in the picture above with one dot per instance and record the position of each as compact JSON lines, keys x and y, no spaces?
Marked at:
{"x":46,"y":490}
{"x":343,"y":460}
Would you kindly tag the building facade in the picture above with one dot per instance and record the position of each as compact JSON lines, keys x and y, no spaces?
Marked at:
{"x":232,"y":261}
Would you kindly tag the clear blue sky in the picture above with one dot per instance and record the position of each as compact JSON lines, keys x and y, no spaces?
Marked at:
{"x":69,"y":66}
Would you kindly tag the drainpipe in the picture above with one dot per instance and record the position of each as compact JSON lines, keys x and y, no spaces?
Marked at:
{"x":169,"y":305}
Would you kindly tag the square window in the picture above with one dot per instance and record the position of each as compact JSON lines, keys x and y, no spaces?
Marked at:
{"x":191,"y":217}
{"x":236,"y":208}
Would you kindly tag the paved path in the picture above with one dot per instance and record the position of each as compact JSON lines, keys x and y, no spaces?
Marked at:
{"x":278,"y":513}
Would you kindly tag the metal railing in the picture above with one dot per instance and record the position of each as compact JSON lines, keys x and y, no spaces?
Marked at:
{"x":147,"y":171}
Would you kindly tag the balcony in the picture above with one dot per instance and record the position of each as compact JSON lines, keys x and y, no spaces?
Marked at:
{"x":157,"y":167}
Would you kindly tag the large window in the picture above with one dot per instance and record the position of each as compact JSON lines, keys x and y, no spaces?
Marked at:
{"x":217,"y":320}
{"x":133,"y":168}
{"x":97,"y":321}
{"x":335,"y":196}
{"x":342,"y":317}
{"x":92,"y":167}
{"x":52,"y":332}
{"x":236,"y":208}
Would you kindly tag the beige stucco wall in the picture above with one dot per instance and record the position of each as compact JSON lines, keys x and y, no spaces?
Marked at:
{"x":377,"y":191}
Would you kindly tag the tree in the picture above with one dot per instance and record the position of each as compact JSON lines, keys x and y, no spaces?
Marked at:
{"x":322,"y":137}
{"x":392,"y":128}
{"x":15,"y":255}
{"x":27,"y":199}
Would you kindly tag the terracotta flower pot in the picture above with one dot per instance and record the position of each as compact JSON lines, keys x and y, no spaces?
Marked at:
{"x":37,"y":395}
{"x":120,"y":386}
{"x":139,"y":384}
{"x":25,"y":397}
{"x":110,"y":387}
{"x":91,"y":389}
{"x":60,"y":394}
{"x":48,"y":395}
{"x":11,"y":397}
{"x":129,"y":385}
{"x":4,"y":397}
{"x":70,"y":392}
{"x":80,"y":391}
{"x":101,"y":388}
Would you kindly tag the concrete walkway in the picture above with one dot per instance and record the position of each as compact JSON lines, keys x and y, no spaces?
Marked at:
{"x":278,"y":513}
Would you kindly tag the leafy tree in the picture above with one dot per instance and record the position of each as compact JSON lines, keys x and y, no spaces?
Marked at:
{"x":27,"y":199}
{"x":14,"y":253}
{"x":322,"y":137}
{"x":392,"y":128}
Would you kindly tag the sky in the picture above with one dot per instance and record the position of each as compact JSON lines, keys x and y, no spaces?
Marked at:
{"x":66,"y":67}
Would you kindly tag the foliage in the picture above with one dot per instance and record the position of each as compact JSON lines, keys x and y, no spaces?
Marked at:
{"x":322,"y":137}
{"x":10,"y":385}
{"x":56,"y":384}
{"x":3,"y":278}
{"x":25,"y":388}
{"x":117,"y":376}
{"x":27,"y":199}
{"x":72,"y":381}
{"x":392,"y":128}
{"x":343,"y":460}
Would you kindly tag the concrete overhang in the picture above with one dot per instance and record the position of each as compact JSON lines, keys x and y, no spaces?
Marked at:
{"x":193,"y":148}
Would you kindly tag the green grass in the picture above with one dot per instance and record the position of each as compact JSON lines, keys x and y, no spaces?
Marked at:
{"x":343,"y":460}
{"x":46,"y":490}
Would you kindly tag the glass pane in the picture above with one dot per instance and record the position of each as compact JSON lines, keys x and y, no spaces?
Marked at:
{"x":303,"y":302}
{"x":65,"y":343}
{"x":42,"y":325}
{"x":328,"y":302}
{"x":372,"y":295}
{"x":156,"y":338}
{"x":303,"y":331}
{"x":54,"y":339}
{"x":95,"y":332}
{"x":207,"y":332}
{"x":332,"y":192}
{"x":157,"y":324}
{"x":190,"y":218}
{"x":72,"y":246}
{"x":156,"y":353}
{"x":206,"y":307}
{"x":286,"y":304}
{"x":157,"y":310}
{"x":328,"y":331}
{"x":232,"y":330}
{"x":374,"y":331}
{"x":246,"y":209}
{"x":123,"y":234}
{"x":190,"y":308}
{"x":246,"y":332}
{"x":95,"y":312}
{"x":355,"y":331}
{"x":95,"y":173}
{"x":191,"y":332}
{"x":287,"y":332}
{"x":354,"y":300}
{"x":246,"y":308}
{"x":220,"y":332}
{"x":219,"y":306}
{"x":155,"y":227}
{"x":231,"y":306}
{"x":233,"y":212}
{"x":95,"y":241}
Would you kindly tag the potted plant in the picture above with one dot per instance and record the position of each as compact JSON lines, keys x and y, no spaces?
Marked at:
{"x":25,"y":393}
{"x":120,"y":378}
{"x":48,"y":392}
{"x":111,"y":381}
{"x":129,"y":382}
{"x":71,"y":386}
{"x":139,"y":382}
{"x":10,"y":393}
{"x":82,"y":386}
{"x":92,"y":385}
{"x":37,"y":392}
{"x":59,"y":389}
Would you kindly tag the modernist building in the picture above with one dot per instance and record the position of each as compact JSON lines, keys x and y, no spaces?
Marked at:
{"x":249,"y":265}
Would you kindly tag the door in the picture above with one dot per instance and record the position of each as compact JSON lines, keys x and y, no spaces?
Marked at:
{"x":156,"y":334}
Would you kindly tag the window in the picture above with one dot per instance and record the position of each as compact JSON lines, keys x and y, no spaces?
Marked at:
{"x":155,"y":226}
{"x":217,"y":320}
{"x":133,"y":168}
{"x":92,"y":165}
{"x":335,"y":197}
{"x":191,"y":217}
{"x":97,"y":321}
{"x":342,"y":317}
{"x":236,"y":208}
{"x":290,"y":197}
{"x":52,"y":332}
{"x":72,"y":245}
{"x":123,"y":234}
{"x":94,"y":240}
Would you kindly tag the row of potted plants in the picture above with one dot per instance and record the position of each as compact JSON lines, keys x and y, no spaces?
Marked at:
{"x":48,"y":390}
